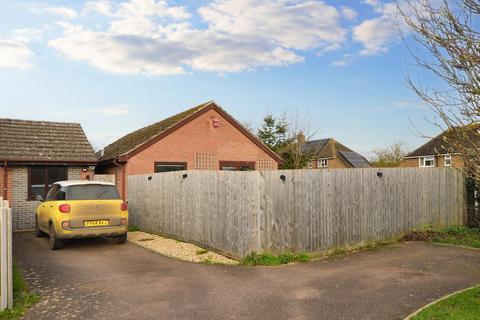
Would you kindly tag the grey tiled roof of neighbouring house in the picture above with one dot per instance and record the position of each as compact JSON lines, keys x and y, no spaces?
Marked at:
{"x":450,"y":141}
{"x":330,"y":148}
{"x":355,"y":159}
{"x":315,"y":146}
{"x":26,"y":140}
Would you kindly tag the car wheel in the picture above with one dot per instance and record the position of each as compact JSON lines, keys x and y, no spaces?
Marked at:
{"x":38,"y":233}
{"x":120,"y":239}
{"x":55,"y":243}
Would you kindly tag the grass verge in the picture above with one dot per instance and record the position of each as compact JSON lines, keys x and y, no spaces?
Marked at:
{"x":267,"y":259}
{"x":22,"y":298}
{"x":464,"y":305}
{"x":133,"y":228}
{"x":460,"y":236}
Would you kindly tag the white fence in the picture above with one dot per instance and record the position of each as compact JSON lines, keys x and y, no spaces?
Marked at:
{"x":6,"y":281}
{"x":303,"y":211}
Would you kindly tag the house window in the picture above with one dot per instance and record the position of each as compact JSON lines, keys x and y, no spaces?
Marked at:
{"x":426,"y":162}
{"x":448,"y":160}
{"x":41,"y":178}
{"x":237,"y":166}
{"x":322,"y":163}
{"x":169,"y":166}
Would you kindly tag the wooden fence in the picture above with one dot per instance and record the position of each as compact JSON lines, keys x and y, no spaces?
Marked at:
{"x":6,"y":284}
{"x":302,"y":211}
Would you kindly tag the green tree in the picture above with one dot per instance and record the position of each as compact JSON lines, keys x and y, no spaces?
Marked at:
{"x":273,"y":132}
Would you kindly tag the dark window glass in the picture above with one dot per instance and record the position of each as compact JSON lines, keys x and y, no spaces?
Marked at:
{"x":91,"y":192}
{"x":167,"y":167}
{"x":59,"y":195}
{"x":55,"y":174}
{"x":237,"y":166}
{"x":52,"y":192}
{"x":41,"y":178}
{"x":37,"y":182}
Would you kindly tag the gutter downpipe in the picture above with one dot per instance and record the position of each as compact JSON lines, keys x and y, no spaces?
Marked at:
{"x":5,"y":180}
{"x":115,"y":162}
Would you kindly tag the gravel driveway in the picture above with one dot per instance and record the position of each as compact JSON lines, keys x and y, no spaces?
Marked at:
{"x":96,"y":279}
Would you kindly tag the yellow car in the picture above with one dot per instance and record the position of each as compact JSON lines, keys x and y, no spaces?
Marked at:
{"x":81,"y":209}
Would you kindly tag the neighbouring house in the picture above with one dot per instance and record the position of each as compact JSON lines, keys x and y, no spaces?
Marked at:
{"x":331,"y":154}
{"x":205,"y":137}
{"x":35,"y":154}
{"x":441,"y":151}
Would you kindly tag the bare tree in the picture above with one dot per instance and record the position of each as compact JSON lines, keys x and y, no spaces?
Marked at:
{"x":391,"y":155}
{"x":448,"y":32}
{"x":299,"y":133}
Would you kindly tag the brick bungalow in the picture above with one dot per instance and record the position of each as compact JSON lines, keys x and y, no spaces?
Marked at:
{"x":441,"y":151}
{"x":33,"y":155}
{"x":331,"y":154}
{"x":205,"y":137}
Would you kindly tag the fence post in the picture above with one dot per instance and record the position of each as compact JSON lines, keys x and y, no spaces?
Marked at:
{"x":9,"y":255}
{"x":3,"y":256}
{"x":6,"y":281}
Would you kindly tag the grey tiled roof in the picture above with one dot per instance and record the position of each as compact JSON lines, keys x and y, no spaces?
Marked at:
{"x":26,"y":140}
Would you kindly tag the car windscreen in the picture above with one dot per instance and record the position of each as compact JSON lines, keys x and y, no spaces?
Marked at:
{"x":92,"y":192}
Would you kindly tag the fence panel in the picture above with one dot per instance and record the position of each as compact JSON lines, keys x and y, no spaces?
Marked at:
{"x":6,"y":280}
{"x":302,"y":211}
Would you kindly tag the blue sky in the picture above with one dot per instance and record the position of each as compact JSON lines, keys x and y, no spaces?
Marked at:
{"x":115,"y":66}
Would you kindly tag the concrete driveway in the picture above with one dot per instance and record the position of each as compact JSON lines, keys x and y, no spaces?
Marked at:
{"x":96,"y":279}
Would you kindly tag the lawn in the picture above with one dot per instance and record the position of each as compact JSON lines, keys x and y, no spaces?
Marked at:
{"x":22,"y":298}
{"x":469,"y":237}
{"x":465,"y":306}
{"x":460,"y":236}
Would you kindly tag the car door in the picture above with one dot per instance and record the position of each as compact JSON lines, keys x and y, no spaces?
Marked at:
{"x":47,"y":207}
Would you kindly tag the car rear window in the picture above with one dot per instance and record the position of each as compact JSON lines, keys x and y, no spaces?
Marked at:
{"x":92,"y":192}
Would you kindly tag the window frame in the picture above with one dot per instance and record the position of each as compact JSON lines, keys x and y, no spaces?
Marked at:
{"x":162,"y":163}
{"x":30,"y":195}
{"x":422,"y":161}
{"x":449,"y":158}
{"x":322,"y":163}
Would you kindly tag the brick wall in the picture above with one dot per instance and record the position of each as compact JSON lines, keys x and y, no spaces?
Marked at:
{"x":333,"y":163}
{"x":23,"y":217}
{"x":201,"y":146}
{"x":457,"y":162}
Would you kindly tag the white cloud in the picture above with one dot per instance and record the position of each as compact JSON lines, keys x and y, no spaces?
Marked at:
{"x":410,"y":104}
{"x":297,"y":24}
{"x":14,"y":54}
{"x":113,"y":111}
{"x":349,"y":13}
{"x":152,"y":37}
{"x":376,"y":35}
{"x":339,"y":63}
{"x":64,"y":12}
{"x":28,"y":34}
{"x":137,"y":9}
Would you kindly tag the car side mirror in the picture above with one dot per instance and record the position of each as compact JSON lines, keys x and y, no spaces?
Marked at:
{"x":39,"y":197}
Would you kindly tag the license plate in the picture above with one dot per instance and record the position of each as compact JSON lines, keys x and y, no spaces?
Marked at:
{"x":95,"y":223}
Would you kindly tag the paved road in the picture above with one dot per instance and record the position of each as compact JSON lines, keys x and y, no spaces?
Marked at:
{"x":96,"y":279}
